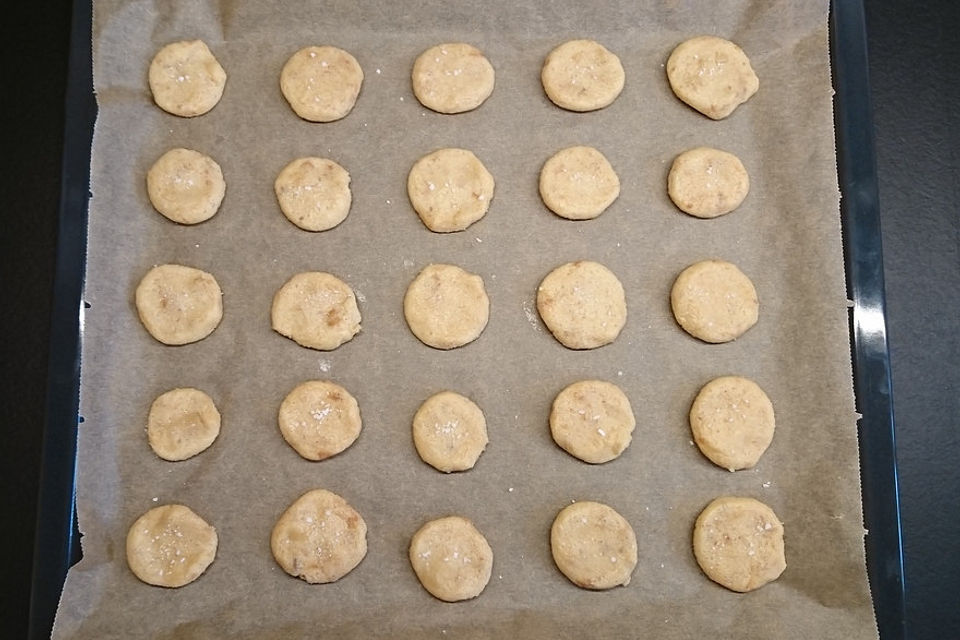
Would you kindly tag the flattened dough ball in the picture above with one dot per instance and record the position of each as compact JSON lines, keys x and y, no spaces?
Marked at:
{"x":178,"y":304}
{"x":714,"y":301}
{"x":321,"y":83}
{"x":578,"y":183}
{"x":452,"y":78}
{"x":316,"y":310}
{"x":593,"y":545}
{"x":707,"y":183}
{"x":450,"y":189}
{"x":185,"y":79}
{"x":182,"y":423}
{"x":186,"y":186}
{"x":738,"y":542}
{"x":451,"y":558}
{"x":712,"y":75}
{"x":314,"y":193}
{"x":582,"y":75}
{"x":592,"y":420}
{"x":319,"y":538}
{"x":446,"y":307}
{"x":449,"y":432}
{"x":319,"y":419}
{"x":583,"y":304}
{"x":732,"y":422}
{"x":170,"y":546}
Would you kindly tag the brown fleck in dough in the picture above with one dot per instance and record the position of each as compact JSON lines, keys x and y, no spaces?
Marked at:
{"x":185,"y":79}
{"x":170,"y":546}
{"x":319,"y":419}
{"x":738,"y":542}
{"x":186,"y":186}
{"x":583,"y":305}
{"x":321,"y":83}
{"x":182,"y":423}
{"x":592,"y":420}
{"x":593,"y":545}
{"x":450,"y":189}
{"x":451,"y":558}
{"x":449,"y":432}
{"x":707,"y":183}
{"x":452,"y":78}
{"x":714,"y":301}
{"x":712,"y":75}
{"x":732,"y":422}
{"x":314,"y":193}
{"x":578,"y":183}
{"x":582,"y":75}
{"x":316,"y":310}
{"x":446,"y":307}
{"x":178,"y":304}
{"x":319,"y":538}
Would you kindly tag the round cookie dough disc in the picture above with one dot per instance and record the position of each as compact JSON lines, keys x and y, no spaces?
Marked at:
{"x":314,"y":193}
{"x":592,"y":420}
{"x":449,"y":432}
{"x":446,"y":307}
{"x":707,"y":183}
{"x":451,"y":558}
{"x":714,"y":301}
{"x":583,"y":305}
{"x":319,"y":419}
{"x":582,"y":75}
{"x":170,"y":546}
{"x":182,"y":423}
{"x":452,"y":78}
{"x":712,"y":75}
{"x":178,"y":304}
{"x":732,"y":422}
{"x":319,"y":538}
{"x":578,"y":183}
{"x":185,"y":79}
{"x":593,"y":545}
{"x":450,"y":189}
{"x":186,"y":186}
{"x":316,"y":310}
{"x":321,"y":83}
{"x":738,"y":542}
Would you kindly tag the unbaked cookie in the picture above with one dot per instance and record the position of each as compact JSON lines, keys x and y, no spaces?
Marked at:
{"x":592,"y":420}
{"x":446,"y":307}
{"x":732,"y":422}
{"x":707,"y":183}
{"x":314,"y":193}
{"x":593,"y":545}
{"x":178,"y":304}
{"x":450,"y":189}
{"x":582,"y":75}
{"x":451,"y":558}
{"x":583,"y":304}
{"x":170,"y":546}
{"x":712,"y":75}
{"x":316,"y":310}
{"x":452,"y":78}
{"x":319,"y":419}
{"x":578,"y":183}
{"x":738,"y":542}
{"x":186,"y":186}
{"x":319,"y":538}
{"x":321,"y":83}
{"x":185,"y":79}
{"x":449,"y":432}
{"x":714,"y":301}
{"x":182,"y":423}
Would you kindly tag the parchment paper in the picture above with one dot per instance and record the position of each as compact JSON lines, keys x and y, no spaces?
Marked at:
{"x":786,"y":237}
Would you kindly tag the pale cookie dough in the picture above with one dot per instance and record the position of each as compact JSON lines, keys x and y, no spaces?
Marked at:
{"x":186,"y":186}
{"x":450,"y":189}
{"x":185,"y":79}
{"x":452,"y":78}
{"x":446,"y":307}
{"x":451,"y":558}
{"x":170,"y":546}
{"x":712,"y":75}
{"x":738,"y":542}
{"x":583,"y":305}
{"x":316,"y":310}
{"x":182,"y":423}
{"x":582,"y":75}
{"x":592,"y":420}
{"x":707,"y":183}
{"x":578,"y":183}
{"x":178,"y":304}
{"x":321,"y":83}
{"x":314,"y":193}
{"x":319,"y":538}
{"x":714,"y":301}
{"x":593,"y":545}
{"x":449,"y":432}
{"x":319,"y":419}
{"x":732,"y":422}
